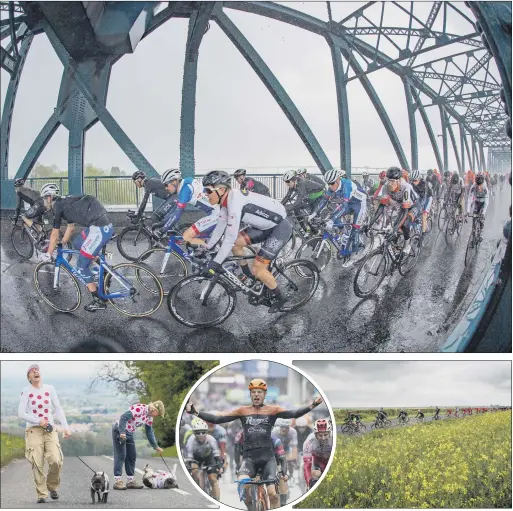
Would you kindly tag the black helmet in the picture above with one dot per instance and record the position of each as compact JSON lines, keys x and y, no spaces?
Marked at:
{"x":447,"y":174}
{"x":138,"y":174}
{"x":394,"y":173}
{"x":455,"y":179}
{"x":19,"y":182}
{"x":480,"y":179}
{"x":216,"y":178}
{"x":430,"y":172}
{"x":239,"y":173}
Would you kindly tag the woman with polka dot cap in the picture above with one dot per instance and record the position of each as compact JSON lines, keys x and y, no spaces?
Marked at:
{"x":38,"y":406}
{"x":124,"y":443}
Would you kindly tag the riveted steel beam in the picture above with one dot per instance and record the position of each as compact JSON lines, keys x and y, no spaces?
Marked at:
{"x":445,"y":146}
{"x":433,"y":13}
{"x":343,"y":106}
{"x":198,"y":25}
{"x":410,"y":105}
{"x":275,"y":88}
{"x":453,"y":142}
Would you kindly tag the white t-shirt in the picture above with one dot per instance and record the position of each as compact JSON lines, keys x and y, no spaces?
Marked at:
{"x":42,"y":403}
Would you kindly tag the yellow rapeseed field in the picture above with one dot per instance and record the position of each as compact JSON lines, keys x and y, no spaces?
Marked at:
{"x":459,"y":463}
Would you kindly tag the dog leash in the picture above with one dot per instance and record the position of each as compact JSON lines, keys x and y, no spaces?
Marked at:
{"x":94,"y":471}
{"x":162,"y":458}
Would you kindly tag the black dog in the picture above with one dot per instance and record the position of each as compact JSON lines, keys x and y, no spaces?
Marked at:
{"x":100,"y":486}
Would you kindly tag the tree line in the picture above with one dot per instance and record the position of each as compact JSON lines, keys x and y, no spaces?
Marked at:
{"x":90,"y":170}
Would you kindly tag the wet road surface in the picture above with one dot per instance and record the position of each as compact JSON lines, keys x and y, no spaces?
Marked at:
{"x":18,"y":490}
{"x":414,"y":313}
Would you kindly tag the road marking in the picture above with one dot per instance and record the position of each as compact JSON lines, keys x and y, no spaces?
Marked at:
{"x":177,"y":490}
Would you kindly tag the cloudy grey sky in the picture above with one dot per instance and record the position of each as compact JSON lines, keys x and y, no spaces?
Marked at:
{"x":238,"y":123}
{"x":64,"y":369}
{"x":411,"y":383}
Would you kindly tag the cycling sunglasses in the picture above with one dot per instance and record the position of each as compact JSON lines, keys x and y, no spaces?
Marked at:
{"x":209,"y":191}
{"x":200,"y":433}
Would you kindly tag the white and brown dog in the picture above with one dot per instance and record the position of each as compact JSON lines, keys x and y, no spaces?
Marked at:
{"x":158,"y":479}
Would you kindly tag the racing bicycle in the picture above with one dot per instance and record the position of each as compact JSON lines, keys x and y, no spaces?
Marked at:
{"x":475,"y":238}
{"x":259,"y":497}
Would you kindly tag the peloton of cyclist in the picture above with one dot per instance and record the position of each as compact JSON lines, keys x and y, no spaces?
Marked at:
{"x":478,"y":198}
{"x":152,"y":186}
{"x":257,"y":420}
{"x":399,"y":191}
{"x":202,"y":449}
{"x":316,"y":451}
{"x":84,"y":210}
{"x":267,"y":223}
{"x":350,"y":199}
{"x":250,"y":184}
{"x":189,"y":192}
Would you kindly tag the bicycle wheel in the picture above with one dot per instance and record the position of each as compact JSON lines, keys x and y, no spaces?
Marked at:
{"x":298,"y":279}
{"x":370,"y":244}
{"x":316,"y":250}
{"x":132,"y":242}
{"x":451,"y":230}
{"x":362,"y":428}
{"x":141,"y":290}
{"x":169,"y":267}
{"x":57,"y":287}
{"x":442,"y":217}
{"x":289,"y":247}
{"x":22,"y":242}
{"x":472,"y":246}
{"x":370,"y":274}
{"x":408,"y":262}
{"x":428,"y":235}
{"x":200,"y":302}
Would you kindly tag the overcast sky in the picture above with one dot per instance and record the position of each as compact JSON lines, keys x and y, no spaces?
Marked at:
{"x":350,"y":384}
{"x":49,"y":370}
{"x":238,"y":123}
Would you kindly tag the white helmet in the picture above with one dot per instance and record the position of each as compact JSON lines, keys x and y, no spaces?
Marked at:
{"x":332,"y":175}
{"x":50,"y":189}
{"x":199,"y":425}
{"x":415,"y":174}
{"x":283,"y":423}
{"x":290,"y":174}
{"x":300,"y":172}
{"x":301,"y":422}
{"x":365,"y":173}
{"x":170,"y":175}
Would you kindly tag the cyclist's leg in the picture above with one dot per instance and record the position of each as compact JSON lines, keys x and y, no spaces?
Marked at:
{"x":427,"y":208}
{"x":94,"y":239}
{"x":195,"y":472}
{"x":212,"y":477}
{"x":246,"y":472}
{"x":269,"y":472}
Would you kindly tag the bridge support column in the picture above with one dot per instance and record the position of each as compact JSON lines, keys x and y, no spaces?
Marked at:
{"x":410,"y":104}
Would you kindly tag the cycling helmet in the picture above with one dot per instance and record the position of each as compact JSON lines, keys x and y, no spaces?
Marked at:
{"x":322,"y":426}
{"x":381,"y":409}
{"x":301,"y":422}
{"x":430,"y":172}
{"x":455,"y":179}
{"x":383,"y":174}
{"x":289,"y":175}
{"x":239,"y":172}
{"x":257,"y":383}
{"x":332,"y":175}
{"x":480,"y":178}
{"x":139,"y":174}
{"x":447,"y":174}
{"x":50,"y":190}
{"x":217,"y":178}
{"x":283,"y":423}
{"x":196,"y":420}
{"x":301,"y":172}
{"x":19,"y":182}
{"x":394,"y":173}
{"x":171,"y":175}
{"x":365,"y":174}
{"x":414,"y":175}
{"x":199,"y":425}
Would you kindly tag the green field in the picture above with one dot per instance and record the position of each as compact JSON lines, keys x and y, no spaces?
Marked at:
{"x":462,"y":463}
{"x":11,"y":447}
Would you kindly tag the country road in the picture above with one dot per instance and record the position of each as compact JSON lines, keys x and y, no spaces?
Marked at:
{"x":18,"y":490}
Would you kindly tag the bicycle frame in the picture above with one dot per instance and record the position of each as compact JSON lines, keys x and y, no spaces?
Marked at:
{"x":262,"y":483}
{"x":173,"y":246}
{"x":104,"y":268}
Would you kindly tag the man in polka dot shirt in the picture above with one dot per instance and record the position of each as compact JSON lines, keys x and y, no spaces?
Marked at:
{"x":39,"y":405}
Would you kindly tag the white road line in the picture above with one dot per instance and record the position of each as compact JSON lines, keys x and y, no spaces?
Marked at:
{"x":177,"y":490}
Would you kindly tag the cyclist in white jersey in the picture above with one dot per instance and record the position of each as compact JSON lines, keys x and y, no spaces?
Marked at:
{"x":267,"y":223}
{"x":317,"y":451}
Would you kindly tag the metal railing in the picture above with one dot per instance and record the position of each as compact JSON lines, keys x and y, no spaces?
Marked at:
{"x":119,"y":192}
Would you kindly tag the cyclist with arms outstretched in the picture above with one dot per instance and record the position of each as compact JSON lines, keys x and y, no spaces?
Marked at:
{"x":266,"y":221}
{"x":257,"y":421}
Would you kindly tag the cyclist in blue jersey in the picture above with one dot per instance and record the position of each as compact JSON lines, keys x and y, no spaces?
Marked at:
{"x":350,"y":198}
{"x":189,"y":192}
